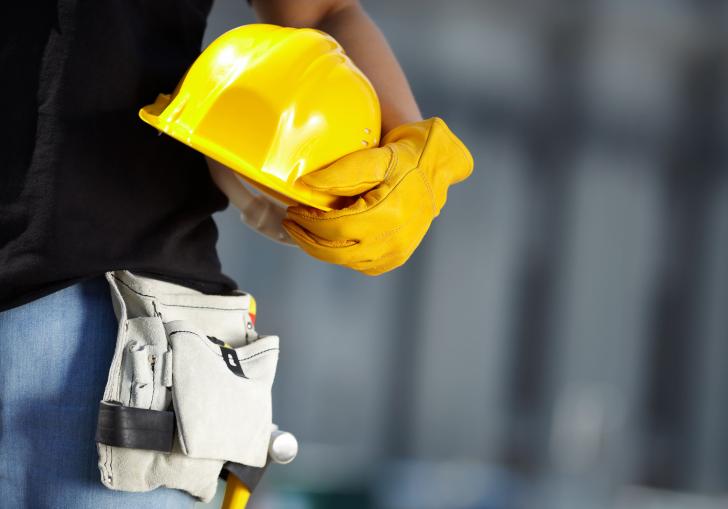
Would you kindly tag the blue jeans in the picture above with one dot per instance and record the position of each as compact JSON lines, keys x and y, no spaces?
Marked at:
{"x":55,"y":354}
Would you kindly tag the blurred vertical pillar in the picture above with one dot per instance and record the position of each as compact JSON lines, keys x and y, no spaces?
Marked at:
{"x":681,"y":344}
{"x":605,"y":294}
{"x":708,"y":426}
{"x":709,"y":463}
{"x":551,"y":133}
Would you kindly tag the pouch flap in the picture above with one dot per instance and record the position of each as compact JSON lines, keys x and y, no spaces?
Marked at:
{"x":222,"y":395}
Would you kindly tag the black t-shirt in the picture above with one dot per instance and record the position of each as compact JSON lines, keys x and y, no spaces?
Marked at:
{"x":85,"y":186}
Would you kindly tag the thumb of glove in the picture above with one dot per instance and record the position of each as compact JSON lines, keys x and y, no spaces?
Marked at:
{"x":353,"y":174}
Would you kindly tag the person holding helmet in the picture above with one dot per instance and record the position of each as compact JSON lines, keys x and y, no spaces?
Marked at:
{"x":290,"y":112}
{"x":85,"y":188}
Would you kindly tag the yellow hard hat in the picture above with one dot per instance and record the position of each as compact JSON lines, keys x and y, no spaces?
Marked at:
{"x":273,"y":104}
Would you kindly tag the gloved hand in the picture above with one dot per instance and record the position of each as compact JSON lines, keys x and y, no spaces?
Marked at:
{"x":404,"y":184}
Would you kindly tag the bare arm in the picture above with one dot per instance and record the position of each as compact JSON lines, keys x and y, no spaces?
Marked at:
{"x":347,"y":22}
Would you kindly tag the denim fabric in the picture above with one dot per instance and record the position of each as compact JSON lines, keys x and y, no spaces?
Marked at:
{"x":55,"y":354}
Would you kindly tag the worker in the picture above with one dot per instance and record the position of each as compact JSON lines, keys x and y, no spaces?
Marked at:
{"x":85,"y":188}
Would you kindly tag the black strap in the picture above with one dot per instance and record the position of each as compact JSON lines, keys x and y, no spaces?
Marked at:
{"x":137,"y":428}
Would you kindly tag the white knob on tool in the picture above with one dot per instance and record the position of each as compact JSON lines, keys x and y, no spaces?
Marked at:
{"x":283,"y":447}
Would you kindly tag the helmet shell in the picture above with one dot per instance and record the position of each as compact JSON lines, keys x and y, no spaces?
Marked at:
{"x":272,"y":104}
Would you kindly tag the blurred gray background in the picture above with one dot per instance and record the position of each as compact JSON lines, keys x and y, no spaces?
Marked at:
{"x":560,"y":338}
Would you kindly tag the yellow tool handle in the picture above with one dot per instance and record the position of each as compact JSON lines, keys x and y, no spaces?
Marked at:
{"x":236,"y":494}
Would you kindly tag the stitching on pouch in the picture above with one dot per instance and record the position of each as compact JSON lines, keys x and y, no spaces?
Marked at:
{"x":214,"y":351}
{"x":176,"y":305}
{"x":154,"y":382}
{"x":203,"y":307}
{"x":257,"y":354}
{"x":130,"y":288}
{"x":106,"y":459}
{"x":180,"y":425}
{"x":219,"y":354}
{"x":187,"y":331}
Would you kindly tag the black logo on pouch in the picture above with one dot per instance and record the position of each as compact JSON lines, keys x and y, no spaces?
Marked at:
{"x":229,"y":357}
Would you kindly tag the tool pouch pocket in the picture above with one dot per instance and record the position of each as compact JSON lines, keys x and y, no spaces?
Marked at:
{"x":189,"y":388}
{"x":145,"y":360}
{"x":221,"y":395}
{"x":140,"y":415}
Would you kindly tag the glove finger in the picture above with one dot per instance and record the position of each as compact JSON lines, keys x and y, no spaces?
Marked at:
{"x":387,"y":261}
{"x":384,"y":262}
{"x":452,"y":153}
{"x":353,"y":174}
{"x":367,"y":217}
{"x":440,"y":148}
{"x":359,"y":256}
{"x":337,"y":252}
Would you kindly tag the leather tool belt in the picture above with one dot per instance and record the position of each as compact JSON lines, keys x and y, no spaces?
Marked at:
{"x":189,"y":389}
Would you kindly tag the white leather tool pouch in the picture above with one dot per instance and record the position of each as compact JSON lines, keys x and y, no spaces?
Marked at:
{"x":188,"y":388}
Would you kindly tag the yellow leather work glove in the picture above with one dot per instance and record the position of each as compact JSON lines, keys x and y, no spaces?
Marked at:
{"x":402,"y":186}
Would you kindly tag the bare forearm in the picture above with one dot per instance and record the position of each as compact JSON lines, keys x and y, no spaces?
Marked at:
{"x":347,"y":22}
